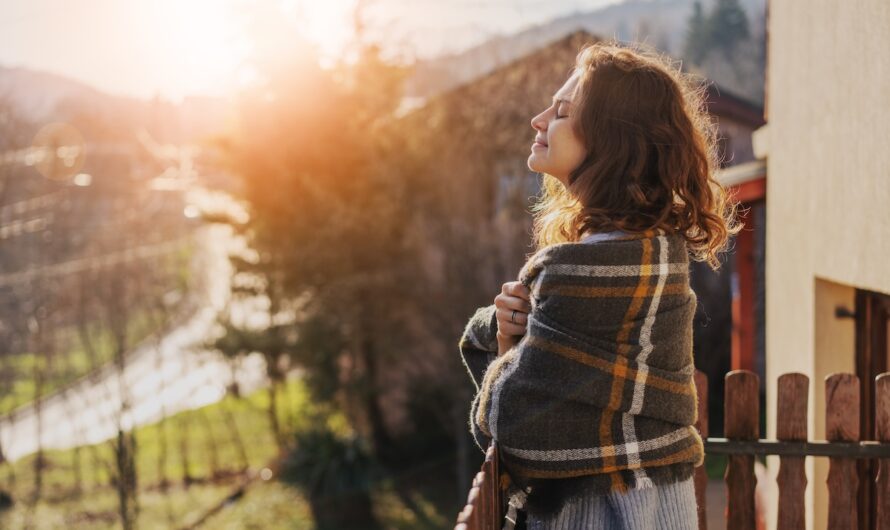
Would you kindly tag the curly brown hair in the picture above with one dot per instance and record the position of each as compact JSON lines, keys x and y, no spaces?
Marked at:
{"x":651,"y":155}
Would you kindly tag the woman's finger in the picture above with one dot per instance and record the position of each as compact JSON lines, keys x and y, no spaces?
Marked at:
{"x":520,"y":290}
{"x":509,"y":301}
{"x":509,"y":317}
{"x":511,"y":329}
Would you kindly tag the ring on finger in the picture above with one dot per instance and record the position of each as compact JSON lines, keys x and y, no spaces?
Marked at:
{"x":512,"y":316}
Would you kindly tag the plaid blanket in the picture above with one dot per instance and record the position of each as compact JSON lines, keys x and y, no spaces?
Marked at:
{"x":601,"y":385}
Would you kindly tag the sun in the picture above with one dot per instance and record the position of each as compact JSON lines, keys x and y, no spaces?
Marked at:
{"x":195,"y":44}
{"x":329,"y":24}
{"x":187,"y":47}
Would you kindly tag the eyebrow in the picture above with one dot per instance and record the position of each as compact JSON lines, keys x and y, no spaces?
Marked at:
{"x":557,"y":100}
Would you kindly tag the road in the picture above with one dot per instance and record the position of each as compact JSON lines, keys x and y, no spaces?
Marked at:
{"x":163,"y":376}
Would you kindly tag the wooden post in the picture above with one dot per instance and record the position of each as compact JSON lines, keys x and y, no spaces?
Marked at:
{"x":741,"y":422}
{"x":464,"y":518}
{"x":493,"y":488}
{"x":842,"y":425}
{"x":791,"y":426}
{"x":882,"y":434}
{"x":484,"y":508}
{"x":701,"y":476}
{"x":483,"y":499}
{"x":473,"y":503}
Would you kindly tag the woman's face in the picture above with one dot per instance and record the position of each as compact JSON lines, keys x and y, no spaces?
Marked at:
{"x":557,"y":149}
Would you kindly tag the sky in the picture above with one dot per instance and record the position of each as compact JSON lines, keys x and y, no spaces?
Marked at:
{"x":175,"y":48}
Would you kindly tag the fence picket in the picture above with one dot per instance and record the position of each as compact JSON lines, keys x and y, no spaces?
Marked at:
{"x":882,"y":434}
{"x":482,"y":501}
{"x":495,"y":514}
{"x":842,"y":425}
{"x":741,"y":422}
{"x":701,"y":476}
{"x":791,"y":426}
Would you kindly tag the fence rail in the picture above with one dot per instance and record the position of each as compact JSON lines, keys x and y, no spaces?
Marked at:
{"x":486,"y":507}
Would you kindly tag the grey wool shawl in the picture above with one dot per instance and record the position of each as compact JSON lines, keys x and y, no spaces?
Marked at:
{"x":599,"y":392}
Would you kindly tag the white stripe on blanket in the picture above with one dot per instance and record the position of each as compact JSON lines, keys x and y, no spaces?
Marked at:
{"x":627,"y":421}
{"x":567,"y":269}
{"x":646,"y":331}
{"x":613,"y":271}
{"x":587,"y":453}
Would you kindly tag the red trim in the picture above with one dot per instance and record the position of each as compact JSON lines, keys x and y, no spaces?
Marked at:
{"x":743,"y":317}
{"x":753,"y":190}
{"x":743,"y":327}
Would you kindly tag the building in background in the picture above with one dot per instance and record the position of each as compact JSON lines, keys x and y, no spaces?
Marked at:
{"x":828,"y":241}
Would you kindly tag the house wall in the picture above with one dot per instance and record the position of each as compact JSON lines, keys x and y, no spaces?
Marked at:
{"x":834,"y":351}
{"x":828,"y":191}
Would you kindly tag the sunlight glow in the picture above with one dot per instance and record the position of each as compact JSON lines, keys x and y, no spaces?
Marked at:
{"x":328,"y":24}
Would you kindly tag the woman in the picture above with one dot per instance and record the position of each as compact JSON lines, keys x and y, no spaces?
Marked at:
{"x":584,"y":366}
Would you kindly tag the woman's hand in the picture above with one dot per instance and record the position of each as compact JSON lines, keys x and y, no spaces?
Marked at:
{"x":513,"y":306}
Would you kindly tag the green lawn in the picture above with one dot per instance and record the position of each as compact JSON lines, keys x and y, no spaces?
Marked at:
{"x":199,"y":441}
{"x":18,"y":370}
{"x":204,"y":437}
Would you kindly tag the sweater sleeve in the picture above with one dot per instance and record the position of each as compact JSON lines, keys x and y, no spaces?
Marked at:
{"x":478,"y":348}
{"x":478,"y":345}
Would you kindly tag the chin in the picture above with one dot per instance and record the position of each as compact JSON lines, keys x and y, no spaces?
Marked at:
{"x":534,"y":164}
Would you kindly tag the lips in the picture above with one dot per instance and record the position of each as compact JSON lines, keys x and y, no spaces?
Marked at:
{"x":540,"y":142}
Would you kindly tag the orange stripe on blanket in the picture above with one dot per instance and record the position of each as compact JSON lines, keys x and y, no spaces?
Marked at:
{"x":585,"y":358}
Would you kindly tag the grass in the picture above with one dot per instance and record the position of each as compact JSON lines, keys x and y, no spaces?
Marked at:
{"x":198,"y":442}
{"x":202,"y":441}
{"x":715,"y":466}
{"x":268,"y":505}
{"x":18,"y":370}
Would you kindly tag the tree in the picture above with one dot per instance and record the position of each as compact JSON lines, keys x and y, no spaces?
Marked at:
{"x":327,"y":220}
{"x":697,"y":37}
{"x":728,"y":25}
{"x":723,"y":29}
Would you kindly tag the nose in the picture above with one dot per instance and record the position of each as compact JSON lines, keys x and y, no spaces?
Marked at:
{"x":539,"y":123}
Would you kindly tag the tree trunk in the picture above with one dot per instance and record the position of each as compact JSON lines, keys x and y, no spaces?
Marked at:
{"x":463,"y":447}
{"x":382,"y":441}
{"x":273,"y":412}
{"x":184,"y":452}
{"x":126,"y":479}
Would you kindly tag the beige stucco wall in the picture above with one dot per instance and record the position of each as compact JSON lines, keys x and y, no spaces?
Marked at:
{"x":834,"y":351}
{"x":827,"y":145}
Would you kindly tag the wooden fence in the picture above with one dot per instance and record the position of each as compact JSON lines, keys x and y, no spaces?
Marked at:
{"x":486,"y":507}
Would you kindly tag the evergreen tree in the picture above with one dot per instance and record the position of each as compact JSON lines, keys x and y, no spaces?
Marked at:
{"x":697,"y":38}
{"x":728,"y":25}
{"x":724,"y":29}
